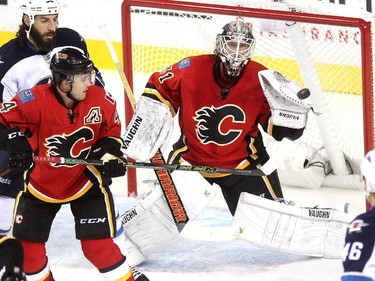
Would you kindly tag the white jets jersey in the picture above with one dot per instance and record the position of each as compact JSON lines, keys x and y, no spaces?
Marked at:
{"x":23,"y":67}
{"x":27,"y":72}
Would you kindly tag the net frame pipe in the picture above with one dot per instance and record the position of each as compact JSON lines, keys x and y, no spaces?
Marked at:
{"x":361,"y":24}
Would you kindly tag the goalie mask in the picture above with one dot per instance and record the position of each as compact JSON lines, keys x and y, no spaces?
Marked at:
{"x":368,"y":172}
{"x":235,"y":46}
{"x":69,"y":62}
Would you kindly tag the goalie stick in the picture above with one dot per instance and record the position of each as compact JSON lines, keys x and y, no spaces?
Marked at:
{"x":175,"y":205}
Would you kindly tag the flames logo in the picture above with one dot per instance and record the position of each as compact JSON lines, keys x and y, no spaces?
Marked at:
{"x":73,"y":145}
{"x":221,"y":125}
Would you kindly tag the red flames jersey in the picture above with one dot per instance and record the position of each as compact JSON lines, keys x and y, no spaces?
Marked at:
{"x":215,"y":131}
{"x":62,"y":132}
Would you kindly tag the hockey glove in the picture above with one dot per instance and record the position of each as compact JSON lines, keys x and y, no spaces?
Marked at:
{"x":109,"y":150}
{"x":20,"y":152}
{"x":113,"y":166}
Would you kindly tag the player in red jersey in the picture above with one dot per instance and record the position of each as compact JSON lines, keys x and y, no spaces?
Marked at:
{"x":69,"y":117}
{"x":221,"y":104}
{"x":24,"y":63}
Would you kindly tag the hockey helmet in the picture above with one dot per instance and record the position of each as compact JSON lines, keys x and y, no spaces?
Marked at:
{"x":368,"y":171}
{"x":70,"y":62}
{"x":33,"y":8}
{"x":235,"y":46}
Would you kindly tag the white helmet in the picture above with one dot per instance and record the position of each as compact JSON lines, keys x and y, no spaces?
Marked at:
{"x":235,"y":46}
{"x":368,"y":171}
{"x":34,"y":8}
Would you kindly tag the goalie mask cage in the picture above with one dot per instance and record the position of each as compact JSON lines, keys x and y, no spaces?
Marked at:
{"x":325,"y":47}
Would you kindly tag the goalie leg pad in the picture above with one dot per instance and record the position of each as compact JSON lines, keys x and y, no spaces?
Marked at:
{"x":194,"y":190}
{"x":150,"y":225}
{"x":305,"y":231}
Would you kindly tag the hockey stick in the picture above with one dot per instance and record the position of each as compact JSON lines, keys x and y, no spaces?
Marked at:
{"x":60,"y":160}
{"x":71,"y":161}
{"x":172,"y":197}
{"x":169,"y":167}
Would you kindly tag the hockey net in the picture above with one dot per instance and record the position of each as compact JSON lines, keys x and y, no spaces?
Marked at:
{"x":325,"y":47}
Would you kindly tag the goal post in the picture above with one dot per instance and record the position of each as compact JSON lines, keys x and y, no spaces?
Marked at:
{"x":326,"y":47}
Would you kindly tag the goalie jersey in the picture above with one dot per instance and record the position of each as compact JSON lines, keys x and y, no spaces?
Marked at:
{"x":219,"y":127}
{"x":359,"y":251}
{"x":62,"y":132}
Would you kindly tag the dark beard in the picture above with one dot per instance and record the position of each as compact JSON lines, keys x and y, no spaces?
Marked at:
{"x":42,"y":46}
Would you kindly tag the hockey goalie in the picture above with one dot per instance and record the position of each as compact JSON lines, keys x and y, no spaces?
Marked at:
{"x":223,"y":101}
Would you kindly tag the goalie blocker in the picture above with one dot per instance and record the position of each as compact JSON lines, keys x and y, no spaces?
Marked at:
{"x":142,"y":140}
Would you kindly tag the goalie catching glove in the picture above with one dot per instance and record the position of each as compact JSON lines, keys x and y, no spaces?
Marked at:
{"x":289,"y":102}
{"x":109,"y":151}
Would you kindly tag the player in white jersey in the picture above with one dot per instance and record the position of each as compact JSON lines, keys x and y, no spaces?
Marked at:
{"x":24,"y":64}
{"x":359,"y":251}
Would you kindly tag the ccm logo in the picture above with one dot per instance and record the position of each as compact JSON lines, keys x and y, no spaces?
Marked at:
{"x":15,"y":134}
{"x":92,"y":220}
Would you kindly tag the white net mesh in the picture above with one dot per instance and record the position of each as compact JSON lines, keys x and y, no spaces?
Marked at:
{"x":325,"y":56}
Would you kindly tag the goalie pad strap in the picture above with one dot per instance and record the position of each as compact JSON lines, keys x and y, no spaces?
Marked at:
{"x":149,"y":129}
{"x":305,"y":231}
